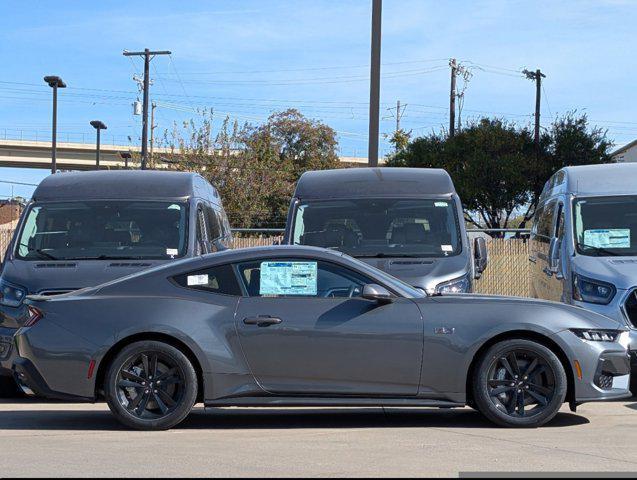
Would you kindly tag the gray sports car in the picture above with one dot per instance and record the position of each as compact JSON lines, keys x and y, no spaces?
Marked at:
{"x":302,"y":326}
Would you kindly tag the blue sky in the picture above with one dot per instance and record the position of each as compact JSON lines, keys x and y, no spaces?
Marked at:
{"x":250,"y":58}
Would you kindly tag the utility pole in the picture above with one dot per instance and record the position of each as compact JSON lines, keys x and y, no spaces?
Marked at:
{"x":152,"y":129}
{"x":148,"y":56}
{"x":537,"y":77}
{"x":452,"y":97}
{"x":374,"y":84}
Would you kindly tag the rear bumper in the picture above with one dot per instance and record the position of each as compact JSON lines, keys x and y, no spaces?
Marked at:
{"x":31,"y":382}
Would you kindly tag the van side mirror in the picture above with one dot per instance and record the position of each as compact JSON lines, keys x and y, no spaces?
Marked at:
{"x":375,"y":292}
{"x":480,"y":255}
{"x":554,"y":255}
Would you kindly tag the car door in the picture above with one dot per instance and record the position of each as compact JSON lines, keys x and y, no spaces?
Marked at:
{"x":305,"y":330}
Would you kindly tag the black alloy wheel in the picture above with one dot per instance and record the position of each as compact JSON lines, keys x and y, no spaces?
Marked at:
{"x":519,"y":383}
{"x":151,"y":385}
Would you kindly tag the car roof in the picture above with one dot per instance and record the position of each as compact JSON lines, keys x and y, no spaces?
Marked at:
{"x":604,"y":179}
{"x":373,"y":182}
{"x":136,"y":184}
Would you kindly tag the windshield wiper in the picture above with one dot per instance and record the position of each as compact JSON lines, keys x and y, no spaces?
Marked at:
{"x":598,"y":249}
{"x":389,"y":255}
{"x":106,"y":257}
{"x":40,"y":252}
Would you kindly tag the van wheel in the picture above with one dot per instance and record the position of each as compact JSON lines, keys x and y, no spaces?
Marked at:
{"x":150,"y":386}
{"x":519,"y":383}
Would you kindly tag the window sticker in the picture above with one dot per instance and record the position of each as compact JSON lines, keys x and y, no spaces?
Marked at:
{"x":288,"y":278}
{"x":172,"y":252}
{"x":441,"y":204}
{"x":197,"y":280}
{"x":607,"y":238}
{"x":447,"y":248}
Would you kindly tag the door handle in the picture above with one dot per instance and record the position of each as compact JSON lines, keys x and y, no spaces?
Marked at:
{"x":262,"y":321}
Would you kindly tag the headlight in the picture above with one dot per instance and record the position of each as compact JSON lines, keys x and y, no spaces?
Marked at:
{"x":457,"y":285}
{"x":592,"y":291}
{"x":624,"y":340}
{"x":11,"y":295}
{"x":597,"y":335}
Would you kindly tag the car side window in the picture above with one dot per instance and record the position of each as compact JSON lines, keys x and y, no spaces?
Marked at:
{"x":219,"y":279}
{"x":212,"y":222}
{"x":202,"y":234}
{"x":300,"y":278}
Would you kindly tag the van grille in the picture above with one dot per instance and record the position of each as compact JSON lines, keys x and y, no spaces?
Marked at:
{"x":630,"y":307}
{"x":56,"y":265}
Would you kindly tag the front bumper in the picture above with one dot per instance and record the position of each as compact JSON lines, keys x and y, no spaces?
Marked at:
{"x":7,"y":350}
{"x":605,"y":368}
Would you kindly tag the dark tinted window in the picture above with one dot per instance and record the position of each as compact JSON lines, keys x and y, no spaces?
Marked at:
{"x":380,"y":227}
{"x":301,"y":277}
{"x":110,"y":229}
{"x":220,"y":279}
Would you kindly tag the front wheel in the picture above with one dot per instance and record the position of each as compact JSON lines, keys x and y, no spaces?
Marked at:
{"x":150,"y":386}
{"x":519,"y":383}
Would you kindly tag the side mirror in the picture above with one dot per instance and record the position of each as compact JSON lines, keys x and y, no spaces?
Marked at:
{"x":375,"y":292}
{"x":480,"y":255}
{"x":554,"y":255}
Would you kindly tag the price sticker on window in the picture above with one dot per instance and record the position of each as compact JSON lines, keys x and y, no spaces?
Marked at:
{"x":288,"y":278}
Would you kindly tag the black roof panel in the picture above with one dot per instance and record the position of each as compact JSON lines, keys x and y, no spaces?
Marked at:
{"x":116,"y":184}
{"x":373,"y":182}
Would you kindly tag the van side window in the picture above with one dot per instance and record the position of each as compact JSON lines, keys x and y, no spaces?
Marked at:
{"x":202,"y":234}
{"x":545,"y":221}
{"x":212,"y":223}
{"x":219,"y":279}
{"x":559,"y":227}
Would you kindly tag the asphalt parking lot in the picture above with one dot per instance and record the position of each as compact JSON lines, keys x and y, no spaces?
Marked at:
{"x":42,"y":439}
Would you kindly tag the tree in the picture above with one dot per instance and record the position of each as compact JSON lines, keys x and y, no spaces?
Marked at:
{"x":254,"y":168}
{"x":496,"y":168}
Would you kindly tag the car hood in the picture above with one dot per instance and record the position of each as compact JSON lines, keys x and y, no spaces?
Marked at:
{"x":515,"y":307}
{"x":620,"y":271}
{"x":425,"y":273}
{"x":62,"y":276}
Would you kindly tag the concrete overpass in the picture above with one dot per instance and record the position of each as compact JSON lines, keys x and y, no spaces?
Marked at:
{"x":81,"y":156}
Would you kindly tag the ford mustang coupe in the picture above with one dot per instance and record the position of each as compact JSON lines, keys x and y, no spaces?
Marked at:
{"x":303,"y":326}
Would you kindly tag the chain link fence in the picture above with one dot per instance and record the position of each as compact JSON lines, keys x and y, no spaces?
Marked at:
{"x":506,"y":274}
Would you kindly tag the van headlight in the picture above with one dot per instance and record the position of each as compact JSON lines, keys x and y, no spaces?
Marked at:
{"x":592,"y":291}
{"x":457,"y":285}
{"x":11,"y":295}
{"x":624,"y":340}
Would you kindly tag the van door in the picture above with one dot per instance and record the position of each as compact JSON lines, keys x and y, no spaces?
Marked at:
{"x":555,"y":280}
{"x":543,"y":234}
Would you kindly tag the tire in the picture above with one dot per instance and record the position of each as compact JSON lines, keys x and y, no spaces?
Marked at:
{"x":541,"y":384}
{"x":134,"y":397}
{"x":9,"y":388}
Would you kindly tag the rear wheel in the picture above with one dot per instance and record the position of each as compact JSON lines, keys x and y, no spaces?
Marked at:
{"x":150,"y":386}
{"x":519,"y":383}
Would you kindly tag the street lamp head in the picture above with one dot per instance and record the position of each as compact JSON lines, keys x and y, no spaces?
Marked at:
{"x":54,"y":81}
{"x":98,"y":125}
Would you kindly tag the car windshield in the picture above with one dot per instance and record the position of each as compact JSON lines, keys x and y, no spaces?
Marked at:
{"x":380,"y":227}
{"x":104,"y":230}
{"x":606,"y":226}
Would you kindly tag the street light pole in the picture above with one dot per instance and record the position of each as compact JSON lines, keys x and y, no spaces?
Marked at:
{"x":374,"y":84}
{"x":99,"y":126}
{"x":55,"y":83}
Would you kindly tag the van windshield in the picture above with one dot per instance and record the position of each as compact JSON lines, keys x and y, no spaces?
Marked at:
{"x":380,"y":227}
{"x":104,"y":230}
{"x":606,"y":226}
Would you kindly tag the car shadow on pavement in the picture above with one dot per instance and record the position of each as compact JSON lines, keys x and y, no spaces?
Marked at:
{"x":80,"y":419}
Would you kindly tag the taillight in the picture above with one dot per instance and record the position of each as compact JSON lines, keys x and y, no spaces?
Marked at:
{"x":35,"y":315}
